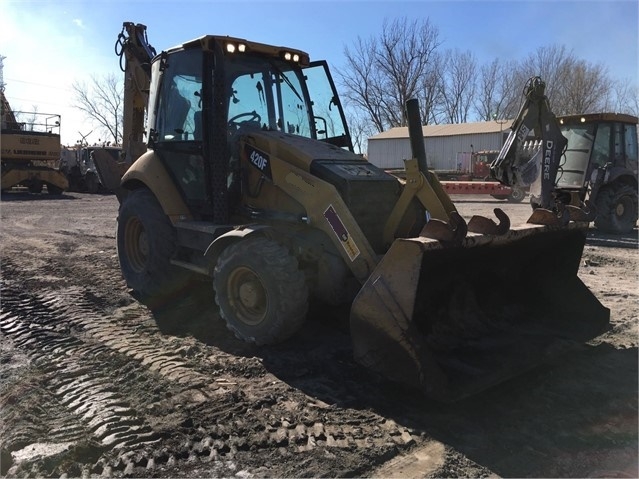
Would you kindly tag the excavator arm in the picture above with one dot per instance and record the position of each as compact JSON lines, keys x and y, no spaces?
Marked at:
{"x":514,"y":166}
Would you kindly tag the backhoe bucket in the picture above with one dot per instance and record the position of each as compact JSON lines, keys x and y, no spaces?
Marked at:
{"x":109,"y":171}
{"x":454,"y":320}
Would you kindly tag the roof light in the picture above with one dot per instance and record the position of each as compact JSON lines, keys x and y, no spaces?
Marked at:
{"x":241,"y":48}
{"x":290,"y":56}
{"x":582,"y":119}
{"x":230,"y":48}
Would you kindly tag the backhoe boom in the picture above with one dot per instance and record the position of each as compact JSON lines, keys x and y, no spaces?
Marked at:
{"x":514,"y":168}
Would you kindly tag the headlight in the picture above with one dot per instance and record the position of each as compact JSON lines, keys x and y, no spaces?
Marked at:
{"x":232,"y":47}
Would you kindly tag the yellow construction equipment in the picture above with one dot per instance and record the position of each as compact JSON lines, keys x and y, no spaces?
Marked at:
{"x":30,"y":150}
{"x":248,"y":179}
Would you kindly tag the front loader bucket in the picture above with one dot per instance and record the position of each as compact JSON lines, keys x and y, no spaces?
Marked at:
{"x":454,"y":320}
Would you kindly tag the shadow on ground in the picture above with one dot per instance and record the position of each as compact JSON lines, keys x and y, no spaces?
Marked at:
{"x":574,"y":416}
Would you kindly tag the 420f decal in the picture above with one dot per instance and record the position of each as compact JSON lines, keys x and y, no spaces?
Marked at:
{"x":258,"y":159}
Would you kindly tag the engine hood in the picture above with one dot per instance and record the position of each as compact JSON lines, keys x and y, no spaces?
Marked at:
{"x":298,"y":150}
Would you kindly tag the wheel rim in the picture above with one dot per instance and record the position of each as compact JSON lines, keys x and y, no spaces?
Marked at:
{"x":622,"y":207}
{"x":247,"y":296}
{"x":518,"y":194}
{"x":136,"y":244}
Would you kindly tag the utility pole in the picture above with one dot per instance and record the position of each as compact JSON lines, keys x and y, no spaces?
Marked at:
{"x":1,"y":76}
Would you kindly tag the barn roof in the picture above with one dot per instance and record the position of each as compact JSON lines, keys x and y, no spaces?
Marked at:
{"x":401,"y":132}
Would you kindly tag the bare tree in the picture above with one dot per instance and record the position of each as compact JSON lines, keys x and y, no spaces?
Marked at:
{"x":494,"y":99}
{"x":586,"y":89}
{"x":404,"y":62}
{"x":430,"y":88}
{"x":101,"y":101}
{"x":457,"y":90}
{"x":360,"y":130}
{"x":361,"y":81}
{"x":572,"y":85}
{"x":383,"y":72}
{"x":623,"y":97}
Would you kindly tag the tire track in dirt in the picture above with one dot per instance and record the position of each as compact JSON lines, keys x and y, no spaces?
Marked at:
{"x":70,"y":343}
{"x":73,"y":373}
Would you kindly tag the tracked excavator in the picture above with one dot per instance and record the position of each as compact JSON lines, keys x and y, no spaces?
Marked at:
{"x":247,"y":179}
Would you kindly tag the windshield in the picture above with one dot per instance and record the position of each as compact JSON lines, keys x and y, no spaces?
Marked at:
{"x":272,"y":94}
{"x":578,"y":150}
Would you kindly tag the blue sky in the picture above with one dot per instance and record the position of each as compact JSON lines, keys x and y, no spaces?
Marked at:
{"x":51,"y":44}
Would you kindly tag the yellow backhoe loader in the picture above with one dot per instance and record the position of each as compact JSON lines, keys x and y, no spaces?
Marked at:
{"x":248,"y":179}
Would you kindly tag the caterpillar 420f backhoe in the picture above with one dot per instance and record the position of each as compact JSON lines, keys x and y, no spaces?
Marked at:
{"x":248,"y":178}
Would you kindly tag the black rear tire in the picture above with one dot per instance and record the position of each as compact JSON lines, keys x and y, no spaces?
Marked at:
{"x":35,"y":186}
{"x":262,"y":294}
{"x":616,"y":208}
{"x":146,"y":242}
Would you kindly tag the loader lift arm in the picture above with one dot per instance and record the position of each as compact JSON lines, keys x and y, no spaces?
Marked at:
{"x":514,"y":168}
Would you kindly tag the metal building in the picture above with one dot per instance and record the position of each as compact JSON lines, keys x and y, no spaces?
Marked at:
{"x":446,"y":145}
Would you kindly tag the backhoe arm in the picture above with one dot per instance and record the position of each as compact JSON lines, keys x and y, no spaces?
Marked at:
{"x":135,"y":55}
{"x":514,"y":167}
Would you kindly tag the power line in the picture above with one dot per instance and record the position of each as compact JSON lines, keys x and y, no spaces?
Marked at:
{"x":14,"y":99}
{"x":38,"y":84}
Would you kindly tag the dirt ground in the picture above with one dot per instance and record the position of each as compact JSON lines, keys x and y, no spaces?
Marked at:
{"x":93,"y":385}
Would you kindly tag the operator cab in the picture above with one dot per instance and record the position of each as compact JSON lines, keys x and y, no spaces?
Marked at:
{"x":206,"y":93}
{"x":596,"y":142}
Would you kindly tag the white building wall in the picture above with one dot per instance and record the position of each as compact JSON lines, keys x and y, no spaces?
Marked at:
{"x":441,"y":151}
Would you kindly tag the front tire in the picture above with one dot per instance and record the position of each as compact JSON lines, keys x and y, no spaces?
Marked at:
{"x":261,"y":293}
{"x":146,"y":242}
{"x":616,"y":209}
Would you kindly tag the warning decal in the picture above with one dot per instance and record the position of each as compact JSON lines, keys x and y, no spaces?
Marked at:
{"x":342,"y":233}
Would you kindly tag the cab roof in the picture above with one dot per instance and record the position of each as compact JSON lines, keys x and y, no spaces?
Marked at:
{"x":207,"y":42}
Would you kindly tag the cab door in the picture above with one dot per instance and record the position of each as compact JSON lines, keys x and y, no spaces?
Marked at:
{"x":177,"y":134}
{"x":327,"y":111}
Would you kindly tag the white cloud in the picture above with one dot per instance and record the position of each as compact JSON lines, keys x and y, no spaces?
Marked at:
{"x":79,"y":23}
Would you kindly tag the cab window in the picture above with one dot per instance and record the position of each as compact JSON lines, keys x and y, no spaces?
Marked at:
{"x":180,"y":104}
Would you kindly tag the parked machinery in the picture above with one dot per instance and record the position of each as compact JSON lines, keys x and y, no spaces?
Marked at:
{"x":30,"y":150}
{"x":600,"y":165}
{"x":597,"y":166}
{"x":78,"y":166}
